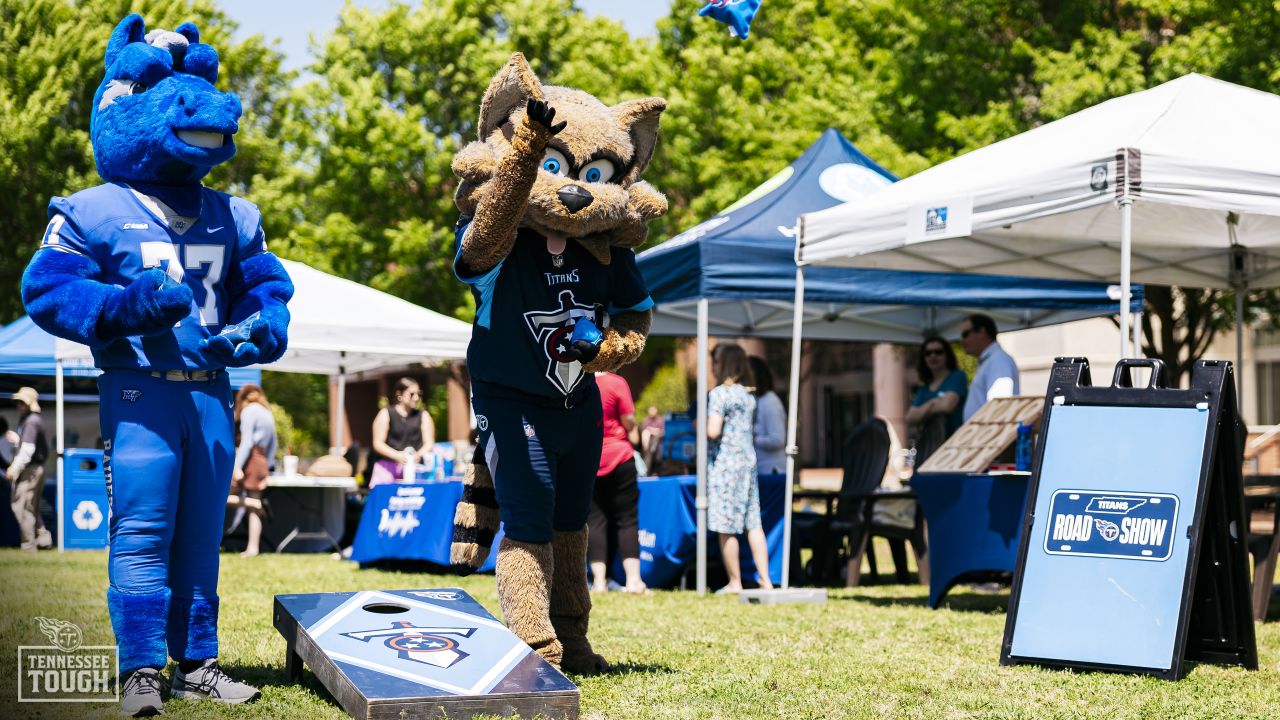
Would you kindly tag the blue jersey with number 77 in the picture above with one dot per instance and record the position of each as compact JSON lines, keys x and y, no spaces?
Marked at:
{"x":126,"y":233}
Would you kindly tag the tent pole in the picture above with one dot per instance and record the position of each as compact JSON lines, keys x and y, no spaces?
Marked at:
{"x":62,"y":434}
{"x":793,"y":417}
{"x":700,"y":432}
{"x":342,"y":405}
{"x":1126,"y":249}
{"x":1240,"y":290}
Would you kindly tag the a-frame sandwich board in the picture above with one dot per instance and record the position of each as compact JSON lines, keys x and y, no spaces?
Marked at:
{"x":1133,"y":554}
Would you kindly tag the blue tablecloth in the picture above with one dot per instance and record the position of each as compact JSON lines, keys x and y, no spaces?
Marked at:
{"x":410,"y":522}
{"x":974,"y":523}
{"x":415,"y":522}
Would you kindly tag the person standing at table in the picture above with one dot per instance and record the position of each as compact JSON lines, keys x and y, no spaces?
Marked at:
{"x":770,"y":429}
{"x":733,"y":491}
{"x":402,"y":432}
{"x":937,"y":410}
{"x":616,"y":495}
{"x":997,"y":374}
{"x":255,"y":457}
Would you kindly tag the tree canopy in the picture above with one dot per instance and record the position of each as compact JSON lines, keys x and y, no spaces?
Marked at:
{"x":350,"y":159}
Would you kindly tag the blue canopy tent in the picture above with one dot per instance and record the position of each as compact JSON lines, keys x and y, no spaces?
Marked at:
{"x":25,"y":349}
{"x":735,"y":275}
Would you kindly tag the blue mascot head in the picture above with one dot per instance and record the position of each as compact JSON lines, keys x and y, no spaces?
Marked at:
{"x":157,"y":118}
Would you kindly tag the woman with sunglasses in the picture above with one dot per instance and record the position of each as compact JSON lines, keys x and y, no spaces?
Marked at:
{"x":943,"y":387}
{"x":402,"y":432}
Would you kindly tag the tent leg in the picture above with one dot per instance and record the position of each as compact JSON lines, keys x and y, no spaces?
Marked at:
{"x":793,"y":415}
{"x":62,"y":435}
{"x":700,"y":431}
{"x":342,"y":411}
{"x":1240,"y":291}
{"x":1126,"y":250}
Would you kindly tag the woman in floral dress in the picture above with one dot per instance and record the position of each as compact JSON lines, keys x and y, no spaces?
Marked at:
{"x":732,"y":489}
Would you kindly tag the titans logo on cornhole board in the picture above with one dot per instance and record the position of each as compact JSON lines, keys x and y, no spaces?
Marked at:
{"x":554,"y":328}
{"x":423,"y":652}
{"x":419,"y":644}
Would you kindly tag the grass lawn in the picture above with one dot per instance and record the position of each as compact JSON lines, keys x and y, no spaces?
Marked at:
{"x":870,"y":652}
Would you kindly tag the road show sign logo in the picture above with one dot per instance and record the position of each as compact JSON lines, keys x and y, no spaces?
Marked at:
{"x":1124,"y":525}
{"x":67,"y":670}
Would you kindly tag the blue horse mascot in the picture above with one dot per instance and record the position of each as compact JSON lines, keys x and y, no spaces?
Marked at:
{"x":169,"y":283}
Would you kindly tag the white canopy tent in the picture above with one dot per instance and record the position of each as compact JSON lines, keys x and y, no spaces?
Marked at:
{"x":337,"y":327}
{"x":1177,"y":185}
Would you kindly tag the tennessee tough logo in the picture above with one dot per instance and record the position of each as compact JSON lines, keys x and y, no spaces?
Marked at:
{"x":427,"y":645}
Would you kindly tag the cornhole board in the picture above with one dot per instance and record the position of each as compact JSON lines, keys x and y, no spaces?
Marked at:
{"x":431,"y":653}
{"x":1132,"y":555}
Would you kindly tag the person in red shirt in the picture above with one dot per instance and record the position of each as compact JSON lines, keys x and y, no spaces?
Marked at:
{"x":616,"y":494}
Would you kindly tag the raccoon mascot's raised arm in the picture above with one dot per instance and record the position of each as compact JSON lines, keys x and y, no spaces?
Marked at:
{"x":552,"y":203}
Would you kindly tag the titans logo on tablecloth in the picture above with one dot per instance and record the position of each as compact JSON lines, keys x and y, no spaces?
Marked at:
{"x":554,"y":329}
{"x":420,"y":644}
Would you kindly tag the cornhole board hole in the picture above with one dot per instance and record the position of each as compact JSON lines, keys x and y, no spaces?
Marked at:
{"x":433,"y":653}
{"x":1132,"y":555}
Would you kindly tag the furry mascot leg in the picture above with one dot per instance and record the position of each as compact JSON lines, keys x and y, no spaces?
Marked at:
{"x":524,"y":574}
{"x":571,"y":603}
{"x":140,"y":637}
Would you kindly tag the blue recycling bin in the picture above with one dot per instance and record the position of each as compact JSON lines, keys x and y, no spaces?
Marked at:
{"x":85,"y":509}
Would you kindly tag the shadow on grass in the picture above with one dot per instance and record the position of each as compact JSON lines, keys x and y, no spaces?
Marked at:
{"x":636,"y":668}
{"x":269,"y":677}
{"x":961,"y":601}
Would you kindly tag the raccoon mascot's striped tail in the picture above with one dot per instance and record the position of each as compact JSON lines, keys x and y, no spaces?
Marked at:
{"x":475,"y":521}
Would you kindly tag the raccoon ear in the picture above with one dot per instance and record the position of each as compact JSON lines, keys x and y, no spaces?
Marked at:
{"x":129,"y":30}
{"x":640,"y":118}
{"x":511,"y":88}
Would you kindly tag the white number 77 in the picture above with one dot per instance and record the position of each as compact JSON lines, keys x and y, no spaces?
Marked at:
{"x":154,"y":254}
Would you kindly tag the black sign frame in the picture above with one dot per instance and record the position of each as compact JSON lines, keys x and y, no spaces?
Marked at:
{"x":1215,"y":618}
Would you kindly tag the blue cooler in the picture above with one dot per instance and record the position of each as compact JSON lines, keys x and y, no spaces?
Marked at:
{"x":83,"y":515}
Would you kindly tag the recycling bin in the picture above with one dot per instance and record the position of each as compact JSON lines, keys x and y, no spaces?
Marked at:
{"x":84,"y":512}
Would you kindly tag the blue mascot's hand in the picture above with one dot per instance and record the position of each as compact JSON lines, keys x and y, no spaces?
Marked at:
{"x":150,"y":305}
{"x":240,"y":344}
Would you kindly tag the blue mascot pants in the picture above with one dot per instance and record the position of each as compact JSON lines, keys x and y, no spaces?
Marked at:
{"x":543,"y":461}
{"x":169,"y":451}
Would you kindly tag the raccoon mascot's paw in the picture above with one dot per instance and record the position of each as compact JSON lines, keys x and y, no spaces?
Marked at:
{"x":623,"y":342}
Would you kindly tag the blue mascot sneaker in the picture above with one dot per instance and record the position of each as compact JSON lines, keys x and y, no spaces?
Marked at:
{"x":143,"y":693}
{"x":208,"y":682}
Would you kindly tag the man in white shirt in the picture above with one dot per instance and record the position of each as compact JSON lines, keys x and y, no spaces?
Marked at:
{"x":997,"y":374}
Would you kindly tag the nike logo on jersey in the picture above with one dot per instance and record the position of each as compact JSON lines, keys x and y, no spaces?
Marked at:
{"x":214,"y":230}
{"x":135,"y":226}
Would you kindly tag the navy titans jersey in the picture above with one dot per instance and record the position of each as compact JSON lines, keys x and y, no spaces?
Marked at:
{"x":526,"y":308}
{"x":127,"y":233}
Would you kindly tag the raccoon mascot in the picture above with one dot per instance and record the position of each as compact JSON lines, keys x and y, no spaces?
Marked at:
{"x":549,"y":214}
{"x":169,"y":283}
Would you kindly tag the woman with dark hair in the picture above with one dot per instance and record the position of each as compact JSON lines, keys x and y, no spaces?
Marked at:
{"x":255,"y":454}
{"x":943,"y":387}
{"x":403,"y":432}
{"x":770,"y":429}
{"x":733,"y":491}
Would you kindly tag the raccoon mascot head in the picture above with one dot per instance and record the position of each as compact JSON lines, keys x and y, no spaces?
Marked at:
{"x":588,"y":185}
